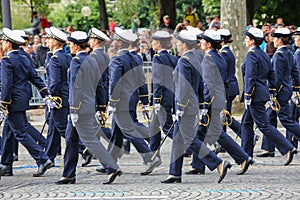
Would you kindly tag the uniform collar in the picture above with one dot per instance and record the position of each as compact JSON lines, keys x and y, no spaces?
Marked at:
{"x":12,"y":51}
{"x":161,"y":50}
{"x":81,"y":52}
{"x":186,"y":52}
{"x":225,"y":46}
{"x":54,"y":52}
{"x":122,"y":51}
{"x":99,"y":48}
{"x":283,"y":46}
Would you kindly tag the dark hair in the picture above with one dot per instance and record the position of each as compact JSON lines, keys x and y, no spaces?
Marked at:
{"x":34,"y":13}
{"x":15,"y":45}
{"x":228,"y":40}
{"x":258,"y":42}
{"x":216,"y":45}
{"x":285,"y":40}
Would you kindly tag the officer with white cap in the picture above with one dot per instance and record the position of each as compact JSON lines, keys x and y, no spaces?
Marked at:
{"x":259,"y":85}
{"x":97,"y":40}
{"x":287,"y":80}
{"x":163,"y":66}
{"x":58,"y":85}
{"x":126,"y":80}
{"x":188,"y":91}
{"x":214,"y":70}
{"x":16,"y":91}
{"x":77,"y":42}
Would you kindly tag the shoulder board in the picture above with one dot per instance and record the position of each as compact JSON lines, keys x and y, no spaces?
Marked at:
{"x":251,"y":50}
{"x":93,"y":53}
{"x":24,"y":56}
{"x":208,"y":55}
{"x":76,"y":57}
{"x":278,"y":51}
{"x":49,"y":52}
{"x":54,"y":56}
{"x":156,"y":54}
{"x":224,"y":51}
{"x":6,"y":57}
{"x":185,"y":57}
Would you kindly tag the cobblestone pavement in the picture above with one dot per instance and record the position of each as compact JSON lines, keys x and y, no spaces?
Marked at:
{"x":267,"y":179}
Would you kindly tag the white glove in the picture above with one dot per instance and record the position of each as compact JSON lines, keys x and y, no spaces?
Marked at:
{"x":247,"y":103}
{"x":202,"y":113}
{"x":157,"y":107}
{"x":50,"y":103}
{"x":111,"y":110}
{"x":294,"y":98}
{"x":179,"y":114}
{"x":74,"y":118}
{"x":100,"y":117}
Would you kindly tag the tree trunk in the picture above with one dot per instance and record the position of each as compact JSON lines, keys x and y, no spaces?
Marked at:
{"x":103,"y":15}
{"x":252,"y":6}
{"x":233,"y":17}
{"x":168,"y":7}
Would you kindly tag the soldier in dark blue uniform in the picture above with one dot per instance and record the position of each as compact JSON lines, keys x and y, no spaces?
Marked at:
{"x":188,"y":91}
{"x":127,"y":82}
{"x":257,"y":74}
{"x":97,"y":41}
{"x":59,"y":88}
{"x":163,"y":65}
{"x":9,"y":143}
{"x":210,"y":43}
{"x":16,"y":91}
{"x":295,"y":97}
{"x":77,"y":43}
{"x":233,"y":87}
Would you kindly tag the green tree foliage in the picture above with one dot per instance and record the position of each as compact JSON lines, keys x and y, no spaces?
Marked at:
{"x":35,"y":5}
{"x":287,"y":9}
{"x":211,"y":7}
{"x":70,"y":14}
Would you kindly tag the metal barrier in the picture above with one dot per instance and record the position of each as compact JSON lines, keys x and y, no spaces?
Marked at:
{"x":37,"y":100}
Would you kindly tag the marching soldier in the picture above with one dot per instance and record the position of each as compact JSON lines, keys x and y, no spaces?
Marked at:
{"x":83,"y":112}
{"x":97,"y":40}
{"x":257,"y":73}
{"x":16,"y":91}
{"x":77,"y":42}
{"x":125,"y":72}
{"x":163,"y":66}
{"x":59,"y":88}
{"x":188,"y":92}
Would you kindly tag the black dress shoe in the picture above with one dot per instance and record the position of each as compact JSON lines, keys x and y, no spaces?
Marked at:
{"x":101,"y":170}
{"x":87,"y":161}
{"x":3,"y":169}
{"x":226,"y":166}
{"x":112,"y":177}
{"x":7,"y":173}
{"x":65,"y":180}
{"x":266,"y":154}
{"x":43,"y":168}
{"x":291,"y":156}
{"x":172,"y":179}
{"x":195,"y":171}
{"x":151,"y":165}
{"x":249,"y":162}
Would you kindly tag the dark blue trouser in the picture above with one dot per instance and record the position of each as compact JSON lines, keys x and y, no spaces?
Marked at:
{"x":184,"y":138}
{"x":235,"y":125}
{"x":57,"y":129}
{"x":17,"y":121}
{"x":163,"y":119}
{"x":256,"y":113}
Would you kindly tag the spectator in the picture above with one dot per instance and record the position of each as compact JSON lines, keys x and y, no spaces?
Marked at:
{"x":112,"y":25}
{"x":199,"y":25}
{"x":269,"y":48}
{"x":41,"y":53}
{"x":44,"y":21}
{"x":191,"y":16}
{"x":166,"y":24}
{"x":135,"y":23}
{"x":279,"y":23}
{"x":182,"y":26}
{"x":215,"y":23}
{"x":35,"y":23}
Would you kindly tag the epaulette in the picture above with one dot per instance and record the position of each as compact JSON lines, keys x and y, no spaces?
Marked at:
{"x":6,"y":57}
{"x":24,"y":56}
{"x":93,"y":53}
{"x":156,"y":54}
{"x":278,"y":51}
{"x":251,"y":50}
{"x":76,"y":57}
{"x":224,"y":51}
{"x":208,"y":55}
{"x":185,"y":57}
{"x":54,"y":56}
